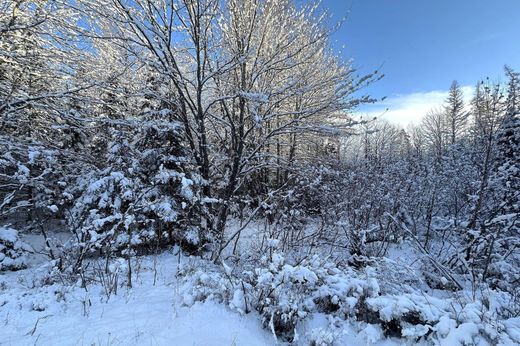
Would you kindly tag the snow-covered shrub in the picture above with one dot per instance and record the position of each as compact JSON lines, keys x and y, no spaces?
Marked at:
{"x":205,"y":282}
{"x":418,"y":317}
{"x":286,"y":294}
{"x":311,"y":190}
{"x":322,"y":336}
{"x":394,"y":277}
{"x":12,"y":250}
{"x":506,"y":303}
{"x":312,"y":194}
{"x":282,"y":292}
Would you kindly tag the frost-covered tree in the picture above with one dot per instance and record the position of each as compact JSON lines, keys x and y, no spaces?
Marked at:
{"x":433,"y":130}
{"x":145,"y":196}
{"x":487,"y":111}
{"x":39,"y":58}
{"x":513,"y":91}
{"x":247,"y":79}
{"x":501,"y":230}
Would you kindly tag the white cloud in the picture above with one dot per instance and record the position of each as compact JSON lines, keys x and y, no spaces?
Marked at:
{"x":410,"y":108}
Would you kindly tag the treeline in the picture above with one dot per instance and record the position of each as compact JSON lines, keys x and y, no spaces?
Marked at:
{"x":451,"y":183}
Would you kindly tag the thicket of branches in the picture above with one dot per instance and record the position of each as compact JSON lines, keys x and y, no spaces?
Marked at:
{"x":450,"y":184}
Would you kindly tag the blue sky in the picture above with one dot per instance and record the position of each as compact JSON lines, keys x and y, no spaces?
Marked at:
{"x":423,"y":45}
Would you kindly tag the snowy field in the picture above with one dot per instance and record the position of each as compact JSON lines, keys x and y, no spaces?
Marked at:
{"x":179,"y":300}
{"x":148,"y":314}
{"x":153,"y":312}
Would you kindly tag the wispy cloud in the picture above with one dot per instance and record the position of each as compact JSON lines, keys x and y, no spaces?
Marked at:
{"x":485,"y":38}
{"x":411,"y":108}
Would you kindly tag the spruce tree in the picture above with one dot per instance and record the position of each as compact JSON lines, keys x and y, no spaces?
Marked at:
{"x":456,"y":116}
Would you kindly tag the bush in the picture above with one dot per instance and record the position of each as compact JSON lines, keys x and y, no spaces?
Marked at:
{"x":12,"y":250}
{"x":285,"y":294}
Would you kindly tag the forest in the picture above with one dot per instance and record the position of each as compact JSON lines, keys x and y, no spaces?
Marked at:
{"x":206,"y":158}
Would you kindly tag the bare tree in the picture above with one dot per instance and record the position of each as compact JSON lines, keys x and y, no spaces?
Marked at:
{"x":433,"y":130}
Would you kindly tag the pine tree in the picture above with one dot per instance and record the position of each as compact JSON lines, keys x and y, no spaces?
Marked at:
{"x":501,"y":230}
{"x":513,"y":90}
{"x":506,"y":176}
{"x":456,"y":116}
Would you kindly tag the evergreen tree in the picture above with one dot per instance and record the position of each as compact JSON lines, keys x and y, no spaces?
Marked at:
{"x":456,"y":116}
{"x":506,"y":176}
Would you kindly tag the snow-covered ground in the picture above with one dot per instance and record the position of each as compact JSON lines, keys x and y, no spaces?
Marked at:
{"x":180,"y":300}
{"x":32,"y":312}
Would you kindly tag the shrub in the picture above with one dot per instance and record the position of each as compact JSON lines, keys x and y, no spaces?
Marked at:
{"x":12,"y":250}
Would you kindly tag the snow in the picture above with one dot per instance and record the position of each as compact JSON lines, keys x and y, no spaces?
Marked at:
{"x":53,"y":208}
{"x":8,"y":235}
{"x":175,"y":299}
{"x":33,"y":155}
{"x":255,"y":96}
{"x":146,"y":314}
{"x":12,"y":250}
{"x":192,"y":236}
{"x":165,"y":210}
{"x":186,"y":190}
{"x":372,"y":333}
{"x":513,"y":327}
